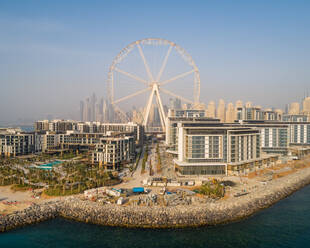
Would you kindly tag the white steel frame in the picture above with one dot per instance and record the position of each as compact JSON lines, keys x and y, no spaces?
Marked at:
{"x":154,"y":85}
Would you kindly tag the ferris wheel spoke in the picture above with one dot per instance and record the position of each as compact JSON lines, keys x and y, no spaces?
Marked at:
{"x":176,"y":77}
{"x":164,"y":64}
{"x":145,"y":63}
{"x":175,"y":95}
{"x":132,"y":95}
{"x":131,"y":76}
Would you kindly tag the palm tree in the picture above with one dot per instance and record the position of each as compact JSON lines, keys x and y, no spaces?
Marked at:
{"x":63,"y":186}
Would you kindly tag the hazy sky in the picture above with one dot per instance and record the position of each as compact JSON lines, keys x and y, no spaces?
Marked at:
{"x":54,"y":53}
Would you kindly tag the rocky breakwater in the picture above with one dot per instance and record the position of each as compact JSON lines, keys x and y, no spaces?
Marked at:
{"x":222,"y":211}
{"x":264,"y":196}
{"x":33,"y":214}
{"x":131,"y":216}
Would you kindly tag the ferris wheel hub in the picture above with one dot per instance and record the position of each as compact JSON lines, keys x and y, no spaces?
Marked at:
{"x":154,"y":84}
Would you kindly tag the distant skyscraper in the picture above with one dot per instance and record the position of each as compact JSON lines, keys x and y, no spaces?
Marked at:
{"x":230,"y":113}
{"x":152,"y":114}
{"x":156,"y":116}
{"x":286,"y":108}
{"x":306,"y":106}
{"x":171,"y":103}
{"x":98,"y":115}
{"x":105,"y":111}
{"x":279,"y":113}
{"x":99,"y":111}
{"x":294,"y":108}
{"x":239,"y":104}
{"x":81,"y":110}
{"x":165,"y":107}
{"x":248,"y":104}
{"x":137,"y":116}
{"x":93,"y":101}
{"x":199,"y":106}
{"x":86,"y":112}
{"x":220,"y":113}
{"x":175,"y":103}
{"x":211,"y":109}
{"x":111,"y":113}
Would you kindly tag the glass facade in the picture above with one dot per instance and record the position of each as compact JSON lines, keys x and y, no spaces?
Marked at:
{"x":204,"y":147}
{"x":233,"y":149}
{"x":300,"y":134}
{"x":295,"y":133}
{"x":266,"y":137}
{"x":198,"y":146}
{"x":214,"y":147}
{"x":173,"y":138}
{"x":283,"y":137}
{"x":225,"y":148}
{"x":203,"y":170}
{"x":258,"y":146}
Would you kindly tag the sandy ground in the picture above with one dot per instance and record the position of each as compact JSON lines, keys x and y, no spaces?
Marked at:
{"x":6,"y":194}
{"x":8,"y":198}
{"x":262,"y":179}
{"x":11,"y":201}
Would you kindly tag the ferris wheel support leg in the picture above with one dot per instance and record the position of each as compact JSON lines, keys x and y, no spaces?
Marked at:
{"x":161,"y":109}
{"x":162,"y":122}
{"x":148,"y":108}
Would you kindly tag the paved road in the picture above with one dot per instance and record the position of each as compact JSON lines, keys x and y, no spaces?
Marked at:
{"x":167,"y":167}
{"x":136,"y":177}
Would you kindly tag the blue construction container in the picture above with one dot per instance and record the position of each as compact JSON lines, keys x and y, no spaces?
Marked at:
{"x":138,"y":190}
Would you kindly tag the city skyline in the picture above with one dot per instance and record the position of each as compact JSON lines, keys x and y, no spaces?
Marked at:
{"x":51,"y":61}
{"x":102,"y":111}
{"x":165,"y":119}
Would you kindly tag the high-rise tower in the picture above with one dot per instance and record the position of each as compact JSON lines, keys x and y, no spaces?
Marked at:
{"x":294,"y":108}
{"x":220,"y":113}
{"x":230,"y":113}
{"x":211,"y":109}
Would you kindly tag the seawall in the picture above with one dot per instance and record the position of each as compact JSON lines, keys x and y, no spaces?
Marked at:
{"x":33,"y":214}
{"x":183,"y":216}
{"x":222,"y":211}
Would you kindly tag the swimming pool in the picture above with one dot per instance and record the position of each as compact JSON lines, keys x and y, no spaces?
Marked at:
{"x":48,"y":166}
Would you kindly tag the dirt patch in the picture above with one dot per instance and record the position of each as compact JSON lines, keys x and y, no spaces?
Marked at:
{"x":45,"y":196}
{"x":251,"y":175}
{"x":282,"y":174}
{"x":6,"y":208}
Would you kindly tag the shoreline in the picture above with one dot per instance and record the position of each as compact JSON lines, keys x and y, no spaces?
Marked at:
{"x":210,"y":214}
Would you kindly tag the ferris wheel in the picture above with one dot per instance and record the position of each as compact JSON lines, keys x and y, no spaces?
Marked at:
{"x":153,"y":82}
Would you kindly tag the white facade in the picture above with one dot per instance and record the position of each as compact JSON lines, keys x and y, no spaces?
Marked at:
{"x":111,"y":152}
{"x":204,"y":150}
{"x":14,"y":142}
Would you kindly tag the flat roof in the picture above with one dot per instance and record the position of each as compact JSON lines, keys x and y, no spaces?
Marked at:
{"x":234,"y":128}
